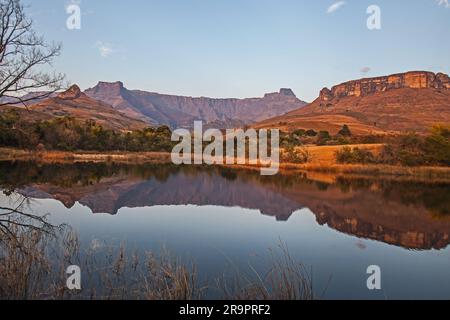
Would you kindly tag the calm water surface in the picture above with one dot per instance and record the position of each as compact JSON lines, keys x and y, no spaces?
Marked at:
{"x":221,"y":217}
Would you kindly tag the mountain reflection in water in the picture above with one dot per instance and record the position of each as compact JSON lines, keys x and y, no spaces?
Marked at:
{"x":402,"y":213}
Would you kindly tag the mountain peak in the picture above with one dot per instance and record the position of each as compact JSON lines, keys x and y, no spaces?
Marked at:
{"x":283,"y":93}
{"x":287,"y":92}
{"x":73,"y":92}
{"x":118,"y":84}
{"x":107,"y":88}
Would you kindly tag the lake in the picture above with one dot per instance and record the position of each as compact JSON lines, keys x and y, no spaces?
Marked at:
{"x":230,"y":218}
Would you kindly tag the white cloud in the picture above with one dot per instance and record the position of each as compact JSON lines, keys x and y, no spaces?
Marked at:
{"x":104,"y":49}
{"x":337,"y":5}
{"x":444,"y":3}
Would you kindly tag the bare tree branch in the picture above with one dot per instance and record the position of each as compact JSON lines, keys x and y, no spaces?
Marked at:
{"x":23,"y":56}
{"x":15,"y":218}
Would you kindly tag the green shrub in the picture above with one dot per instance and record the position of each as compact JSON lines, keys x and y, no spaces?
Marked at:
{"x":323,"y":137}
{"x":311,"y":133}
{"x":407,"y":150}
{"x":295,"y":155}
{"x":437,"y":145}
{"x":345,"y":131}
{"x":299,"y":132}
{"x":355,"y":155}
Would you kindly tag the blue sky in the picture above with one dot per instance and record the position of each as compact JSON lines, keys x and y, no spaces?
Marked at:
{"x":243,"y":48}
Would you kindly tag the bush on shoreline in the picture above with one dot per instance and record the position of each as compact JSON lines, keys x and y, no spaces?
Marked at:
{"x":410,"y":150}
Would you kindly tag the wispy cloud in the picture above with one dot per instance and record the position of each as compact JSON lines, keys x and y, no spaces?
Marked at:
{"x":104,"y":49}
{"x":444,"y":3}
{"x":337,"y":5}
{"x":366,"y":70}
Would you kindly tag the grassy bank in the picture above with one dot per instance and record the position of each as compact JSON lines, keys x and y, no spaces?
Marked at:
{"x":321,"y":160}
{"x":9,"y":154}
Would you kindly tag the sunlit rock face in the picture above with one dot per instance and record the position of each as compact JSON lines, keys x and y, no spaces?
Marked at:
{"x":407,"y":102}
{"x":73,"y":92}
{"x":368,"y":86}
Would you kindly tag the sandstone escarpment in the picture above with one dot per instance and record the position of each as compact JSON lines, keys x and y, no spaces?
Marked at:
{"x":368,"y":86}
{"x":411,"y":101}
{"x":182,"y":111}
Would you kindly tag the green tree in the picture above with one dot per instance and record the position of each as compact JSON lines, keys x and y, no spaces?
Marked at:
{"x":437,"y":145}
{"x":345,"y":131}
{"x":323,"y":137}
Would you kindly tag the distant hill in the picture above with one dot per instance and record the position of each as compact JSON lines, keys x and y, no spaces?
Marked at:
{"x":180,"y":111}
{"x":27,"y":99}
{"x":76,"y":104}
{"x":411,"y":101}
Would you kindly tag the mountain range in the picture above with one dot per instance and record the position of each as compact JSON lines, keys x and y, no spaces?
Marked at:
{"x":411,"y":101}
{"x":179,"y":111}
{"x":113,"y":100}
{"x":75,"y":103}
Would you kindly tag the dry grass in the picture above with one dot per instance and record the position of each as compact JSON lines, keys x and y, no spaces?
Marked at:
{"x":9,"y":154}
{"x":33,"y":264}
{"x":325,"y":155}
{"x":319,"y":122}
{"x":322,"y":162}
{"x":23,"y":267}
{"x":33,"y":267}
{"x":436,"y":174}
{"x":285,"y":280}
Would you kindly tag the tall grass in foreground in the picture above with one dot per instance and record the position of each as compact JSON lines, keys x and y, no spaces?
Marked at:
{"x":286,"y":279}
{"x":33,"y":264}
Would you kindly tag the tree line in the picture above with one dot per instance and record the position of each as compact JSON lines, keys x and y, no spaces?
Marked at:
{"x":69,"y":134}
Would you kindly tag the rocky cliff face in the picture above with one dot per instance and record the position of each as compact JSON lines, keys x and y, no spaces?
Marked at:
{"x":72,"y":93}
{"x":181,"y":111}
{"x":399,"y":103}
{"x":107,"y":90}
{"x":368,"y":86}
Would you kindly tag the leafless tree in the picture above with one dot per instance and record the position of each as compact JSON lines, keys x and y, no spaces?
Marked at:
{"x":15,"y":220}
{"x":23,"y":57}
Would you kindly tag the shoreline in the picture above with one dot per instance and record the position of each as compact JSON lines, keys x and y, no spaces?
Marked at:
{"x":328,"y":168}
{"x":10,"y":154}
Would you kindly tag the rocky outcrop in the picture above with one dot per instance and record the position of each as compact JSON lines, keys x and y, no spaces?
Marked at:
{"x":76,"y":104}
{"x":105,"y":90}
{"x":406,"y":102}
{"x":368,"y":86}
{"x":287,"y":92}
{"x":72,"y":93}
